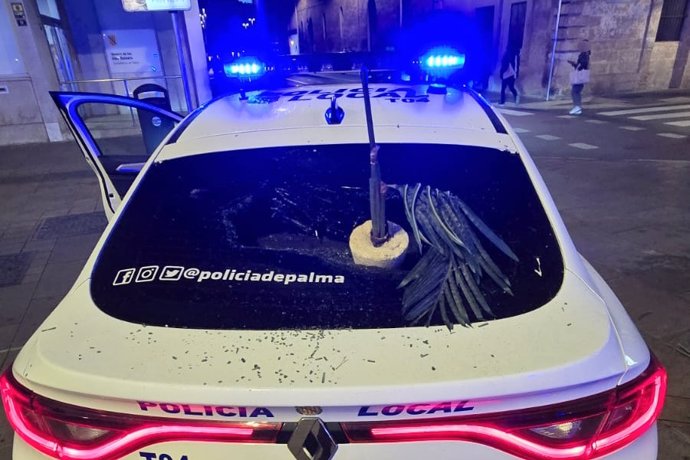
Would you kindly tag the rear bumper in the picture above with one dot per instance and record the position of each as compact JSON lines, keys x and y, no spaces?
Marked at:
{"x":644,"y":448}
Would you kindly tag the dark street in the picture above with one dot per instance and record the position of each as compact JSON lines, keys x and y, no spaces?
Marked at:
{"x":622,"y":188}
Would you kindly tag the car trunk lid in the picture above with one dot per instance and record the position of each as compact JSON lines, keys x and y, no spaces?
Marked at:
{"x":563,"y":350}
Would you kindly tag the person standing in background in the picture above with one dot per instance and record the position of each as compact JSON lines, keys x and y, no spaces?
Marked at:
{"x":510,"y":70}
{"x":579,"y":76}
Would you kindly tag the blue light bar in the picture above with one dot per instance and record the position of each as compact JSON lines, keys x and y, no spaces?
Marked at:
{"x":245,"y":68}
{"x":442,"y":61}
{"x":445,"y":60}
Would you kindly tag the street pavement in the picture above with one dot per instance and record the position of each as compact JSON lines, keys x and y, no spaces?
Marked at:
{"x":621,"y":181}
{"x":50,"y":219}
{"x":619,"y":174}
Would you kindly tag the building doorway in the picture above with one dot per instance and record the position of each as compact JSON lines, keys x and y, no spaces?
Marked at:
{"x":62,"y":59}
{"x":516,"y":31}
{"x":486,"y":54}
{"x":58,"y":43}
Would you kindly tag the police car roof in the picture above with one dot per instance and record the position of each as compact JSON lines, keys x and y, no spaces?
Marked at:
{"x":305,"y":107}
{"x":293,"y":116}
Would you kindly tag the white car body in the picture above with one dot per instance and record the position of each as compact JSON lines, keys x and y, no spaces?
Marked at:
{"x":580,"y":343}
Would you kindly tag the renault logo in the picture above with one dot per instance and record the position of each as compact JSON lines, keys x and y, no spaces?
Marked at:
{"x":312,"y":441}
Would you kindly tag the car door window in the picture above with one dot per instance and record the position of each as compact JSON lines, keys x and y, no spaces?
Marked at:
{"x":125,"y":138}
{"x":117,"y":135}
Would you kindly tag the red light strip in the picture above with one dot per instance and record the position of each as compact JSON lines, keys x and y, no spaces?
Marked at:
{"x":646,"y":393}
{"x":140,"y":431}
{"x":476,"y":433}
{"x":152,"y":434}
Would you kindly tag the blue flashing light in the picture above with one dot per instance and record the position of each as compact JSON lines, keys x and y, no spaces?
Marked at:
{"x":442,"y":61}
{"x":244,"y":68}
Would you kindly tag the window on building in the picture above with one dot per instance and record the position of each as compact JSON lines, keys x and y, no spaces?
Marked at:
{"x":48,"y":8}
{"x":323,"y":21}
{"x":671,"y":20}
{"x":10,"y":60}
{"x":310,"y":33}
{"x":372,"y":24}
{"x":302,"y":37}
{"x":341,"y":21}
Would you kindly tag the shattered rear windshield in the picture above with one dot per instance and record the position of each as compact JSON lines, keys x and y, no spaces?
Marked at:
{"x":259,"y":239}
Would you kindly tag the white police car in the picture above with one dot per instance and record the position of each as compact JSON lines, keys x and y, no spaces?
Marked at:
{"x":221,"y":314}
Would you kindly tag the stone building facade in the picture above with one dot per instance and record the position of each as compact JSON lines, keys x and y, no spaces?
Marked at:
{"x":627,"y":54}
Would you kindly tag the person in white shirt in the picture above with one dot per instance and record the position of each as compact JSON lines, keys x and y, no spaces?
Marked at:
{"x":510,"y":70}
{"x":579,"y":76}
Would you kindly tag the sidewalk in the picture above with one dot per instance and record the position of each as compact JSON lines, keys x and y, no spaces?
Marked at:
{"x":50,"y":220}
{"x":595,"y":101}
{"x":561,"y":103}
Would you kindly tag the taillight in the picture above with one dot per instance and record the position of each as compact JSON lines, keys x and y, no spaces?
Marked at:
{"x":583,"y":429}
{"x":65,"y":431}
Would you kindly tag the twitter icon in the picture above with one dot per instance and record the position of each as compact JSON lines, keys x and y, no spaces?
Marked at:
{"x":171,"y":273}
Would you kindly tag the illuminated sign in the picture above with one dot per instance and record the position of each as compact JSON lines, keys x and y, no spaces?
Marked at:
{"x":155,"y":5}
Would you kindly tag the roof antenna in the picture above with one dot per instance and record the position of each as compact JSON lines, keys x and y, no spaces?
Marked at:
{"x":377,"y":201}
{"x":376,"y":242}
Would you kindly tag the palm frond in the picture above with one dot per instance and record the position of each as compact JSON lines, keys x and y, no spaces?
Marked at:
{"x":498,"y":242}
{"x":426,"y":284}
{"x":448,"y":276}
{"x":429,"y":287}
{"x":409,"y":206}
{"x":454,"y":299}
{"x":428,"y":231}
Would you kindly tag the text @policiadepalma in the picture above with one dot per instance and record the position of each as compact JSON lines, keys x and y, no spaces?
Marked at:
{"x":168,"y":273}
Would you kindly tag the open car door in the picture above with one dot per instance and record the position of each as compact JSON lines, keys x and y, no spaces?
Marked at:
{"x":117,"y":135}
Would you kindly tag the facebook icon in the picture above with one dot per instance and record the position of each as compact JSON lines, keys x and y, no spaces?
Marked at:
{"x":124,"y":276}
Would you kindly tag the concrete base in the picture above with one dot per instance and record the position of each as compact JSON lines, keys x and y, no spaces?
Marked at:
{"x":389,"y":255}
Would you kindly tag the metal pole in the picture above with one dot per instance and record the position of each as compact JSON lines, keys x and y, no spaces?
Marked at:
{"x":131,"y":110}
{"x":377,"y":200}
{"x":553,"y":49}
{"x":401,"y":13}
{"x":176,"y":20}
